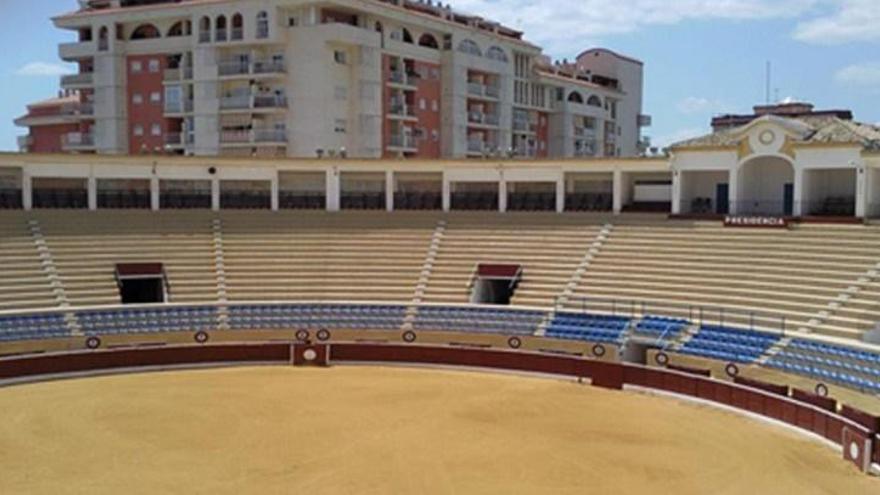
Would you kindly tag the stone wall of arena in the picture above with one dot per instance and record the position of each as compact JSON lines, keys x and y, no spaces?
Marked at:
{"x":855,"y":431}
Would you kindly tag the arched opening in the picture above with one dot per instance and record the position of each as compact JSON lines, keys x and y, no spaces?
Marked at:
{"x":103,"y":39}
{"x":145,"y":32}
{"x":379,"y":28}
{"x":407,"y":36}
{"x":496,"y":53}
{"x":575,"y":97}
{"x":220,"y":29}
{"x":429,"y":41}
{"x":205,"y":29}
{"x":765,"y":186}
{"x":262,"y":24}
{"x":470,"y":47}
{"x":237,"y":32}
{"x":181,"y":28}
{"x":594,"y":101}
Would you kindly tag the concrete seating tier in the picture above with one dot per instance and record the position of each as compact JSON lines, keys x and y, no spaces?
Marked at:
{"x":591,"y":327}
{"x":477,"y":319}
{"x":674,"y":268}
{"x":86,"y":247}
{"x":353,"y":256}
{"x":315,"y":316}
{"x":850,"y":367}
{"x":32,"y":327}
{"x":147,"y":320}
{"x":729,"y":344}
{"x":548,"y":246}
{"x":23,"y":282}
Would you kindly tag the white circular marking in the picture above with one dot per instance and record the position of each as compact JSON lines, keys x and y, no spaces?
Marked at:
{"x":310,"y":355}
{"x":854,"y":451}
{"x":767,"y":138}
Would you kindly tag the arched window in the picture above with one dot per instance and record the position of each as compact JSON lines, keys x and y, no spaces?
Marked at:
{"x":103,"y":39}
{"x":470,"y":47}
{"x":594,"y":101}
{"x":205,"y":29}
{"x":407,"y":36}
{"x":575,"y":97}
{"x":237,"y":27}
{"x":496,"y":53}
{"x":220,"y":29}
{"x":429,"y":41}
{"x":145,"y":32}
{"x":262,"y":24}
{"x":182,"y":28}
{"x":379,"y":28}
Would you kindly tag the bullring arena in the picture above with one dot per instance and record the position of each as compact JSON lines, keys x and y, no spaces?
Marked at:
{"x":359,"y":328}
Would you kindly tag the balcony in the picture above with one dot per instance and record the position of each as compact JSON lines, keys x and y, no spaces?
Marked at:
{"x":253,"y":102}
{"x":73,"y":81}
{"x":402,"y":141}
{"x":220,"y":34}
{"x":483,"y":118}
{"x":525,"y":126}
{"x":178,"y":74}
{"x":78,"y":109}
{"x":73,"y":141}
{"x":255,"y":136}
{"x":476,"y":146}
{"x":178,"y":107}
{"x":76,"y":50}
{"x":236,"y":34}
{"x":25,"y":143}
{"x":232,"y":68}
{"x":403,"y":79}
{"x":401,"y":111}
{"x":205,"y":37}
{"x":483,"y":91}
{"x":175,"y":140}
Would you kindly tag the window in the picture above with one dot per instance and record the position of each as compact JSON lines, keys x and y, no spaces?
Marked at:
{"x":291,"y":22}
{"x":137,"y":67}
{"x":435,"y":107}
{"x":137,"y":98}
{"x":138,"y":130}
{"x":429,"y":41}
{"x":156,"y":130}
{"x":339,"y":126}
{"x":340,"y":57}
{"x":153,"y":65}
{"x":262,"y":24}
{"x":423,"y":104}
{"x":470,"y":47}
{"x":496,"y":53}
{"x":155,"y":97}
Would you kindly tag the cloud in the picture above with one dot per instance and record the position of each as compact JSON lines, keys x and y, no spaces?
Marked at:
{"x":696,"y":104}
{"x":41,"y":69}
{"x":571,"y":25}
{"x":846,"y":21}
{"x":867,"y":74}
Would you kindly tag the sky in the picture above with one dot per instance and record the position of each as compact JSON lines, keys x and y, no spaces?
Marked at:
{"x":702,"y":57}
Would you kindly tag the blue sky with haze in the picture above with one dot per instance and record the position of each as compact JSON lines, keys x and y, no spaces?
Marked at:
{"x":702,"y":57}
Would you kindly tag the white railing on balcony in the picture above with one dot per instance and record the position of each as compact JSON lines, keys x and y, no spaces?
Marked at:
{"x":83,"y":78}
{"x":491,"y":119}
{"x":400,"y":77}
{"x":235,"y":102}
{"x":476,"y":146}
{"x":241,"y":102}
{"x":233,"y":68}
{"x":204,"y":36}
{"x":401,"y":110}
{"x":78,"y":140}
{"x":269,"y":136}
{"x":270,"y":101}
{"x":521,"y":125}
{"x":492,"y":91}
{"x":236,"y":34}
{"x":185,"y":106}
{"x":401,"y":141}
{"x":178,"y":74}
{"x":220,"y":34}
{"x":271,"y":66}
{"x":173,"y":139}
{"x":475,"y":89}
{"x":245,"y":67}
{"x":483,"y":118}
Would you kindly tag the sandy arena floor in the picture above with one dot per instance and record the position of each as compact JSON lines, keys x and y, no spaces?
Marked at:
{"x":391,"y":431}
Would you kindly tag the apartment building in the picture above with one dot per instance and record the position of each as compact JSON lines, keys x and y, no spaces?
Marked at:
{"x":356,"y":78}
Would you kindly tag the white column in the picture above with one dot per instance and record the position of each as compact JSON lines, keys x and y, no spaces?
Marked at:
{"x":676,"y":192}
{"x":733,"y":190}
{"x":797,"y":207}
{"x":861,"y":191}
{"x":92,"y":186}
{"x":560,"y":194}
{"x":215,"y":194}
{"x":332,"y":190}
{"x":27,"y":191}
{"x":446,"y":194}
{"x":389,"y":190}
{"x":618,"y":192}
{"x":502,"y":195}
{"x":273,"y":192}
{"x":154,"y":194}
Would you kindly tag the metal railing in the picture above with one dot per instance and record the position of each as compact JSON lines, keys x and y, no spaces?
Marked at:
{"x":531,"y":201}
{"x":302,"y":200}
{"x":78,"y":79}
{"x":236,"y":34}
{"x":418,"y":200}
{"x":245,"y":200}
{"x":185,"y":106}
{"x":269,"y":136}
{"x":362,"y":200}
{"x":124,"y":199}
{"x":401,"y":141}
{"x":10,"y":199}
{"x":589,"y":201}
{"x":403,"y":78}
{"x":402,"y":110}
{"x":180,"y":200}
{"x":237,"y":102}
{"x":702,"y":315}
{"x":78,"y":140}
{"x":60,"y":198}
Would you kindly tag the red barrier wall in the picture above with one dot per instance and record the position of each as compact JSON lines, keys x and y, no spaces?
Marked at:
{"x":826,"y":403}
